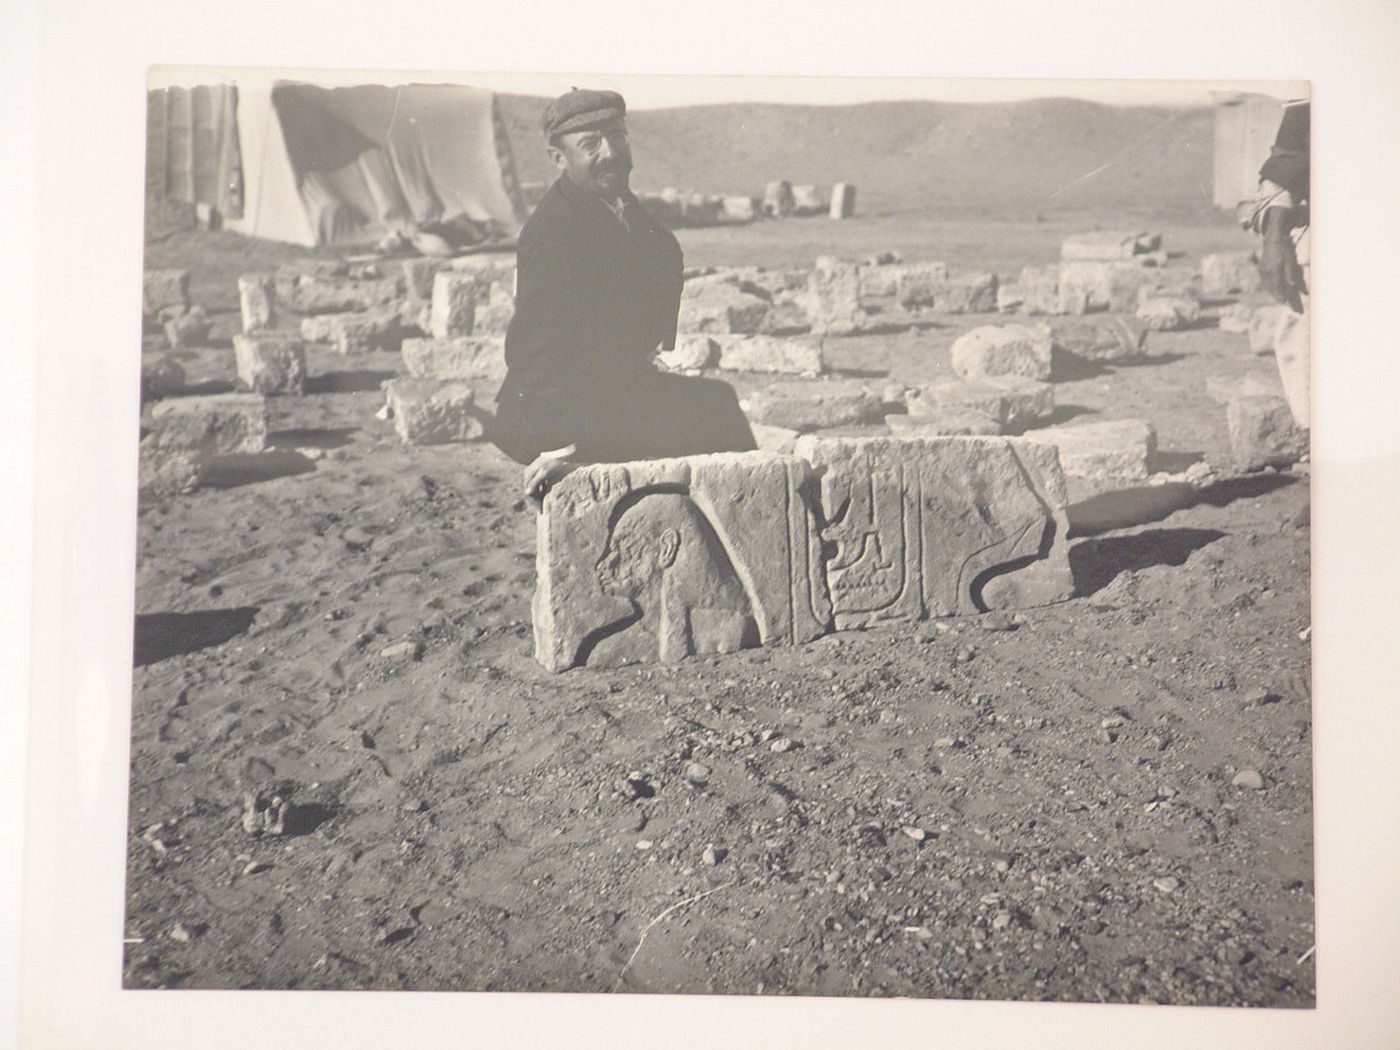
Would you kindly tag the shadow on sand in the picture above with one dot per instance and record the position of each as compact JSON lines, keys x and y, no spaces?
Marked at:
{"x":1096,"y":563}
{"x":1138,"y":506}
{"x":160,"y":636}
{"x":356,"y":381}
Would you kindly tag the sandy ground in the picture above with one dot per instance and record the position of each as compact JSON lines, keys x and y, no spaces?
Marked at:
{"x":968,"y":808}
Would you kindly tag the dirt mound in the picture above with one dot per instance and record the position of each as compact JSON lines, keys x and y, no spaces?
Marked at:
{"x":1015,"y":159}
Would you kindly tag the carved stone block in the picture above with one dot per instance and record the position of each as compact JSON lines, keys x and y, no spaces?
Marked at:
{"x":270,"y":363}
{"x":1004,"y":350}
{"x":664,"y":559}
{"x":939,"y":526}
{"x":433,"y":412}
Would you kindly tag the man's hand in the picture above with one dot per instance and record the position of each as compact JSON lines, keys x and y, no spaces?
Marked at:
{"x":547,"y":468}
{"x":1278,"y":261}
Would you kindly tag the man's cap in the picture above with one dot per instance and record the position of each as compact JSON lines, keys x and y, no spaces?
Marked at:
{"x":581,"y":108}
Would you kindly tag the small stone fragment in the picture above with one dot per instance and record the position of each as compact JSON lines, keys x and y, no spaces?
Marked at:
{"x":1002,"y":350}
{"x":1249,"y":779}
{"x":1167,"y":884}
{"x":697,"y":773}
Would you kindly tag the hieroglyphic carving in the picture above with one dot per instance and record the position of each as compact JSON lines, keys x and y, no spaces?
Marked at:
{"x":940,"y":525}
{"x":664,"y":559}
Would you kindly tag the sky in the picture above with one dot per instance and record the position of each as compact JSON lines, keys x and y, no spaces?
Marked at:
{"x":653,"y":92}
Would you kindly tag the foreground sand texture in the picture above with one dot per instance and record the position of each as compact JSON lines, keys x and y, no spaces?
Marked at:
{"x":348,"y":770}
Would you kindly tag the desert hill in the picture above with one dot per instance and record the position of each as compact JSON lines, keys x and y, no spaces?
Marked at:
{"x":1017,"y":159}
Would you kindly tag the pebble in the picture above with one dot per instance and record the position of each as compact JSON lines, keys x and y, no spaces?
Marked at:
{"x":1305,"y":633}
{"x":916,"y":833}
{"x":401,"y":651}
{"x":1260,"y":696}
{"x":997,"y":621}
{"x":713,"y":856}
{"x":1002,"y":920}
{"x":782,"y":744}
{"x":254,"y":867}
{"x":1249,"y":778}
{"x":415,"y":805}
{"x":644,"y":843}
{"x":311,"y":452}
{"x":945,"y":741}
{"x":179,"y":933}
{"x":1105,"y":736}
{"x":1112,"y":722}
{"x":1001,"y":862}
{"x":698,"y":774}
{"x":1166,"y":885}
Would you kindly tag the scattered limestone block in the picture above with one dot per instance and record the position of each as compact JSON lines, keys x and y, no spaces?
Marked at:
{"x":843,"y":201}
{"x":1000,"y":350}
{"x":721,"y":308}
{"x":453,"y":310}
{"x":807,"y":200}
{"x":162,"y":377}
{"x":1224,"y":389}
{"x":738,"y":209}
{"x":878,"y":281}
{"x":966,"y":294}
{"x":480,"y":358}
{"x":270,"y":363}
{"x":1120,"y":339}
{"x":940,"y":526}
{"x":354,"y":333}
{"x":418,"y":274}
{"x":805,"y":406}
{"x":433,"y":411}
{"x":1086,"y":286}
{"x":186,"y":326}
{"x":777,"y":199}
{"x":217,"y":424}
{"x":747,"y":279}
{"x":1263,"y":434}
{"x":792,"y":355}
{"x":1229,"y":273}
{"x":1037,"y":291}
{"x":165,"y":472}
{"x":1169,"y":313}
{"x":313,"y":294}
{"x":257,"y":302}
{"x":1011,"y":402}
{"x":1236,"y":318}
{"x":787,"y":315}
{"x":1115,"y":450}
{"x":774,"y":439}
{"x":1268,"y":325}
{"x":493,"y":317}
{"x":1108,"y":244}
{"x":833,"y":299}
{"x":162,"y":288}
{"x":664,"y":559}
{"x":944,"y":422}
{"x":691,"y":353}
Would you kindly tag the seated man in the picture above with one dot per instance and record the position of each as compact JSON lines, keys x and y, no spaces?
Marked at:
{"x":598,"y":286}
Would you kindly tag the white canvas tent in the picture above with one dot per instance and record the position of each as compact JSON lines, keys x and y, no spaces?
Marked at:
{"x":343,"y":165}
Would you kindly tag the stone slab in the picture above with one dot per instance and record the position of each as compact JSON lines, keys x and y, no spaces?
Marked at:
{"x":939,"y":526}
{"x":843,"y":201}
{"x":788,"y":355}
{"x":720,"y":308}
{"x":807,"y":199}
{"x":816,"y":405}
{"x":1036,"y":291}
{"x":257,"y":302}
{"x":1001,"y":350}
{"x":433,"y":411}
{"x":270,"y":364}
{"x":311,"y":294}
{"x":1263,"y":434}
{"x":216,"y":424}
{"x":1011,"y":402}
{"x":774,"y":439}
{"x":1086,"y":285}
{"x":1118,"y":339}
{"x":1229,"y":273}
{"x":1112,"y":450}
{"x":453,"y":310}
{"x":915,"y":283}
{"x":162,"y":288}
{"x":466,"y":357}
{"x":833,"y":299}
{"x":1105,"y":245}
{"x":1169,"y":313}
{"x":660,"y":560}
{"x":777,"y":199}
{"x":355,"y":333}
